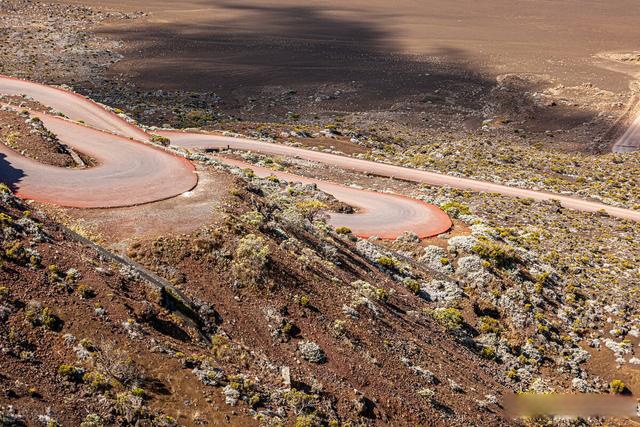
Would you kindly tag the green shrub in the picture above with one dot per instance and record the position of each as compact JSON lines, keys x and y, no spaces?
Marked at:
{"x":249,"y":173}
{"x":310,"y":420}
{"x":96,"y":381}
{"x":382,"y":294}
{"x":15,"y":252}
{"x":88,"y":345}
{"x":497,"y":253}
{"x":343,"y":230}
{"x":48,"y":319}
{"x":70,"y":372}
{"x":54,"y":273}
{"x":488,"y":353}
{"x":85,"y":291}
{"x":617,"y":387}
{"x":455,"y":209}
{"x":450,"y":318}
{"x":387,"y":262}
{"x":34,"y":262}
{"x":159,"y":139}
{"x":253,"y":218}
{"x":252,"y":255}
{"x":92,"y":420}
{"x":309,"y":208}
{"x":304,"y":301}
{"x":490,"y":325}
{"x":138,"y":392}
{"x":412,"y":284}
{"x":5,"y":219}
{"x":42,"y":316}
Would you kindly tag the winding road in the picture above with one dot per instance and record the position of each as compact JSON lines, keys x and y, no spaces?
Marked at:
{"x":130,"y":171}
{"x":195,"y":140}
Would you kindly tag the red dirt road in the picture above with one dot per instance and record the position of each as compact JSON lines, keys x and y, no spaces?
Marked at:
{"x":74,"y":106}
{"x":191,"y":140}
{"x":130,"y":172}
{"x":381,"y":214}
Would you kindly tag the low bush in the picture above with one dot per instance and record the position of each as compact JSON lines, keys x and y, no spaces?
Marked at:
{"x":617,"y":387}
{"x":343,"y":230}
{"x":450,"y":318}
{"x":159,"y":139}
{"x":388,"y":262}
{"x":252,"y":255}
{"x":498,"y":254}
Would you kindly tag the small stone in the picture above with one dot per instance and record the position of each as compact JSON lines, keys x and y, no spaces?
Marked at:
{"x":311,"y":352}
{"x":285,"y":371}
{"x":231,"y":395}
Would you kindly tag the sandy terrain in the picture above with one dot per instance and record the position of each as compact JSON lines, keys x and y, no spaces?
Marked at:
{"x":536,"y":65}
{"x":265,"y":43}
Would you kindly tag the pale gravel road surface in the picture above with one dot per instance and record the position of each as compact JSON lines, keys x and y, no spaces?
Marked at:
{"x":130,"y":172}
{"x":192,"y":140}
{"x":630,"y":140}
{"x":145,"y":174}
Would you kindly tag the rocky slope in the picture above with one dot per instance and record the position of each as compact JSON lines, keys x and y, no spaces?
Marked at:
{"x":302,"y":327}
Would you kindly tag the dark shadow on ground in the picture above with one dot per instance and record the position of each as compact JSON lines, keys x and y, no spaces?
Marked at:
{"x":267,"y":60}
{"x":9,"y":175}
{"x":296,"y":48}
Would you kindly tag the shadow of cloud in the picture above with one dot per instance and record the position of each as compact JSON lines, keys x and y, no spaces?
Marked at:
{"x":301,"y":48}
{"x":9,"y":175}
{"x":267,"y":60}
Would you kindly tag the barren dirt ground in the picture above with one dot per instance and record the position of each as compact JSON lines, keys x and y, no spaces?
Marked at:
{"x":434,"y":63}
{"x":179,"y":215}
{"x":217,"y":44}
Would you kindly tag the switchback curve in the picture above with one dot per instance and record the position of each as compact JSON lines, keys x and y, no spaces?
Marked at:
{"x":379,"y":211}
{"x":130,"y":172}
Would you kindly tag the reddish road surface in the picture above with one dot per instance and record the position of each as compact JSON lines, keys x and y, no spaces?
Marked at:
{"x":128,"y":172}
{"x":74,"y":106}
{"x":131,"y":173}
{"x":381,"y":214}
{"x":193,"y":140}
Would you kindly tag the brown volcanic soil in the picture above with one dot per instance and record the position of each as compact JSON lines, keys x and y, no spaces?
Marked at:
{"x":366,"y":358}
{"x":16,"y":134}
{"x":381,"y":352}
{"x":383,"y":50}
{"x":31,"y":354}
{"x":182,"y":214}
